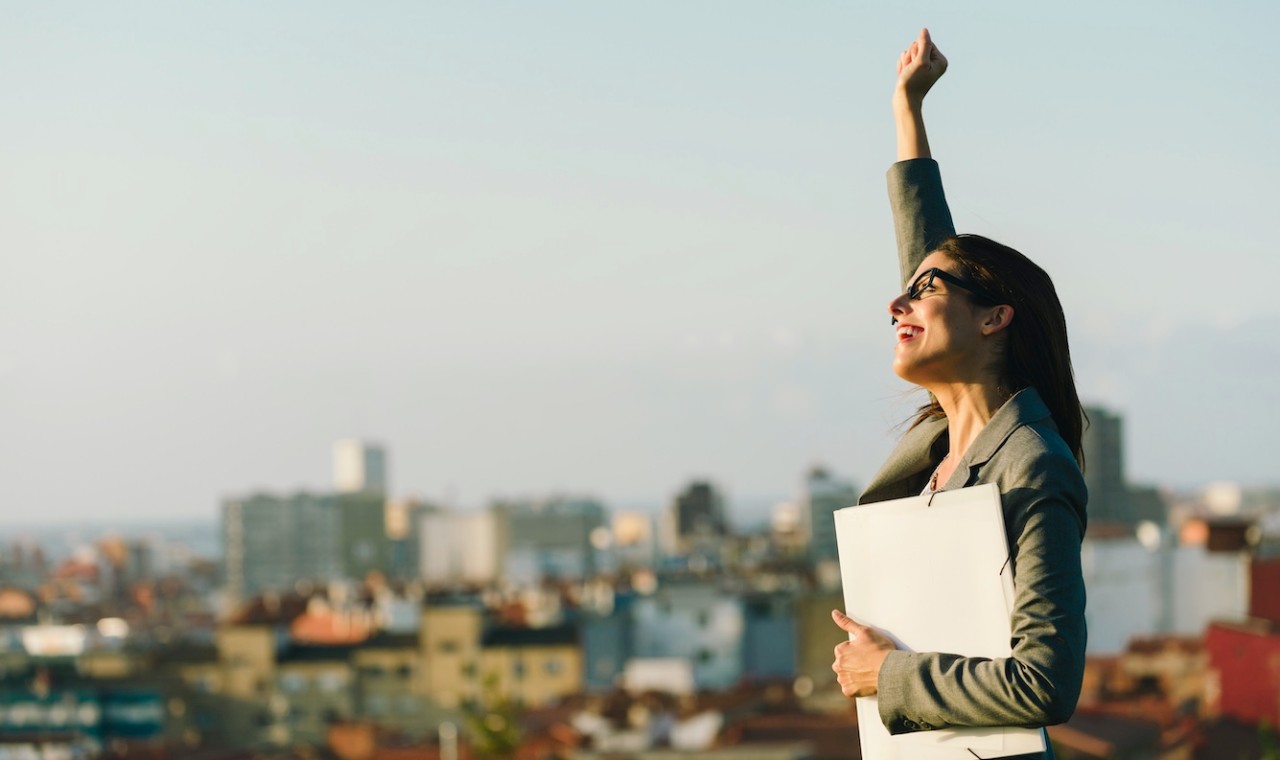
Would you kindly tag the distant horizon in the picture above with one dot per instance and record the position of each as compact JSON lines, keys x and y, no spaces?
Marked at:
{"x":758,"y":507}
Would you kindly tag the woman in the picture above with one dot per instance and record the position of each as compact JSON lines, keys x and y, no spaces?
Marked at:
{"x":980,"y":327}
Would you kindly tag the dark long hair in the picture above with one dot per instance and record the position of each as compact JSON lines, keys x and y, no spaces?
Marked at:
{"x":1036,"y":353}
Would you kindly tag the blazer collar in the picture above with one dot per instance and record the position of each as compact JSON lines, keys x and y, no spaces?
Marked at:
{"x":910,"y":461}
{"x":913,"y":457}
{"x":1022,"y":408}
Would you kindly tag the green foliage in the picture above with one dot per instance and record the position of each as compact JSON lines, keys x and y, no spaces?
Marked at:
{"x":1268,"y":742}
{"x":493,"y":722}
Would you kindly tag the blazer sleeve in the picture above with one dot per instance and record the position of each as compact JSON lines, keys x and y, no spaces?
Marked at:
{"x":921,"y":218}
{"x":1039,"y":684}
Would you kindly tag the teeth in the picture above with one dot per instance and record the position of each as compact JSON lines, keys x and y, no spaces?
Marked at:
{"x":908,"y":331}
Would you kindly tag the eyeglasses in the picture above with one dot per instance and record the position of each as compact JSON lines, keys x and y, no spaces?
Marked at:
{"x":925,"y":281}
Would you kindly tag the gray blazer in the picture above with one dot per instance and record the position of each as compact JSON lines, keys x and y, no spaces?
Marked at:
{"x":1043,"y":497}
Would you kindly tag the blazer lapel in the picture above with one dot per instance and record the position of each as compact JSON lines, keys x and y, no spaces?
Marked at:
{"x":1022,"y":408}
{"x":910,"y":458}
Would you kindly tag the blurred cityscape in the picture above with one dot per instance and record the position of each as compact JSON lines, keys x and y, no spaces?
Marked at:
{"x":362,"y":625}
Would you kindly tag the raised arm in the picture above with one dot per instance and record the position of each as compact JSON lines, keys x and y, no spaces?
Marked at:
{"x":921,"y":218}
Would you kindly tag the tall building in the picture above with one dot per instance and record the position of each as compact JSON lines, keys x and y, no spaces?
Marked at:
{"x":359,"y":466}
{"x":695,"y":521}
{"x":823,"y":494}
{"x":1103,"y":444}
{"x":516,"y":541}
{"x":363,"y":543}
{"x":552,"y":538}
{"x":460,"y":547}
{"x":271,"y":542}
{"x":404,"y":521}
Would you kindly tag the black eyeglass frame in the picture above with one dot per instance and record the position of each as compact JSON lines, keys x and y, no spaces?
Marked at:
{"x":925,"y":279}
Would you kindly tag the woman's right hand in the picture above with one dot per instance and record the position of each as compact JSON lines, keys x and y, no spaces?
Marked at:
{"x":919,"y":66}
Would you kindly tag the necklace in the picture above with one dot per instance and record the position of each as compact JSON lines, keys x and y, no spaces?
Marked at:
{"x":933,"y":479}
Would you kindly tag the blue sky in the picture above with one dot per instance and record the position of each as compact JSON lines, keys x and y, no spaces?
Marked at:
{"x":595,"y":247}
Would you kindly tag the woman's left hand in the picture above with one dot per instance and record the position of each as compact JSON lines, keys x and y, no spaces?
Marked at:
{"x":858,"y":660}
{"x":920,"y":66}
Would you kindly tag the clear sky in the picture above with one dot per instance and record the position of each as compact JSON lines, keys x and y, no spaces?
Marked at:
{"x":596,"y":247}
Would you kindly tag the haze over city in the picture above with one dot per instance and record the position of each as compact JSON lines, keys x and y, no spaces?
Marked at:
{"x":595,"y":248}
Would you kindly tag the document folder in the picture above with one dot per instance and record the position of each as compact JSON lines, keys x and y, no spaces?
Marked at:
{"x":932,"y":573}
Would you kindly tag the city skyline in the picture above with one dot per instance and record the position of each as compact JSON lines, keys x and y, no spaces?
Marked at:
{"x":593,"y":250}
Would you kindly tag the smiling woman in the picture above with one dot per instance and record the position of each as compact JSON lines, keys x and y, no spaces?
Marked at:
{"x":979,"y":327}
{"x":1014,"y":293}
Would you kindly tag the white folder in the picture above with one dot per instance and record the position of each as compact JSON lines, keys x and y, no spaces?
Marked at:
{"x":931,"y":573}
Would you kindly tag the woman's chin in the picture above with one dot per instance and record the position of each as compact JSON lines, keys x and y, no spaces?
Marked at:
{"x":905,"y":370}
{"x":916,"y":374}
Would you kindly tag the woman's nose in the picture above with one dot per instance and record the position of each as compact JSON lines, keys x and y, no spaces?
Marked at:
{"x":897,"y":307}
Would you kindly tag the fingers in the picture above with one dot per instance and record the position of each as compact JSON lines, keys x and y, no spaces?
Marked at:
{"x":848,"y":682}
{"x":845,"y":622}
{"x":847,"y":687}
{"x":844,"y":678}
{"x":922,"y":54}
{"x":931,"y":52}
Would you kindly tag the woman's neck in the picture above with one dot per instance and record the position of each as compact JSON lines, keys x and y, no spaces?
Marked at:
{"x":969,"y":407}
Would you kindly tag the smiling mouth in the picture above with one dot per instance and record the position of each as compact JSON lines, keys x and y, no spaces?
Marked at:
{"x":907,"y":332}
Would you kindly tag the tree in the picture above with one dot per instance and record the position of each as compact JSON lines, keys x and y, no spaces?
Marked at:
{"x":493,"y":722}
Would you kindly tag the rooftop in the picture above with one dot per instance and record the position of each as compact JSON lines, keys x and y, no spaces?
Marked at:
{"x":531,"y":637}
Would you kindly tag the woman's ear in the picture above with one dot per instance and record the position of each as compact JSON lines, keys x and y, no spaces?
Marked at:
{"x":998,"y":318}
